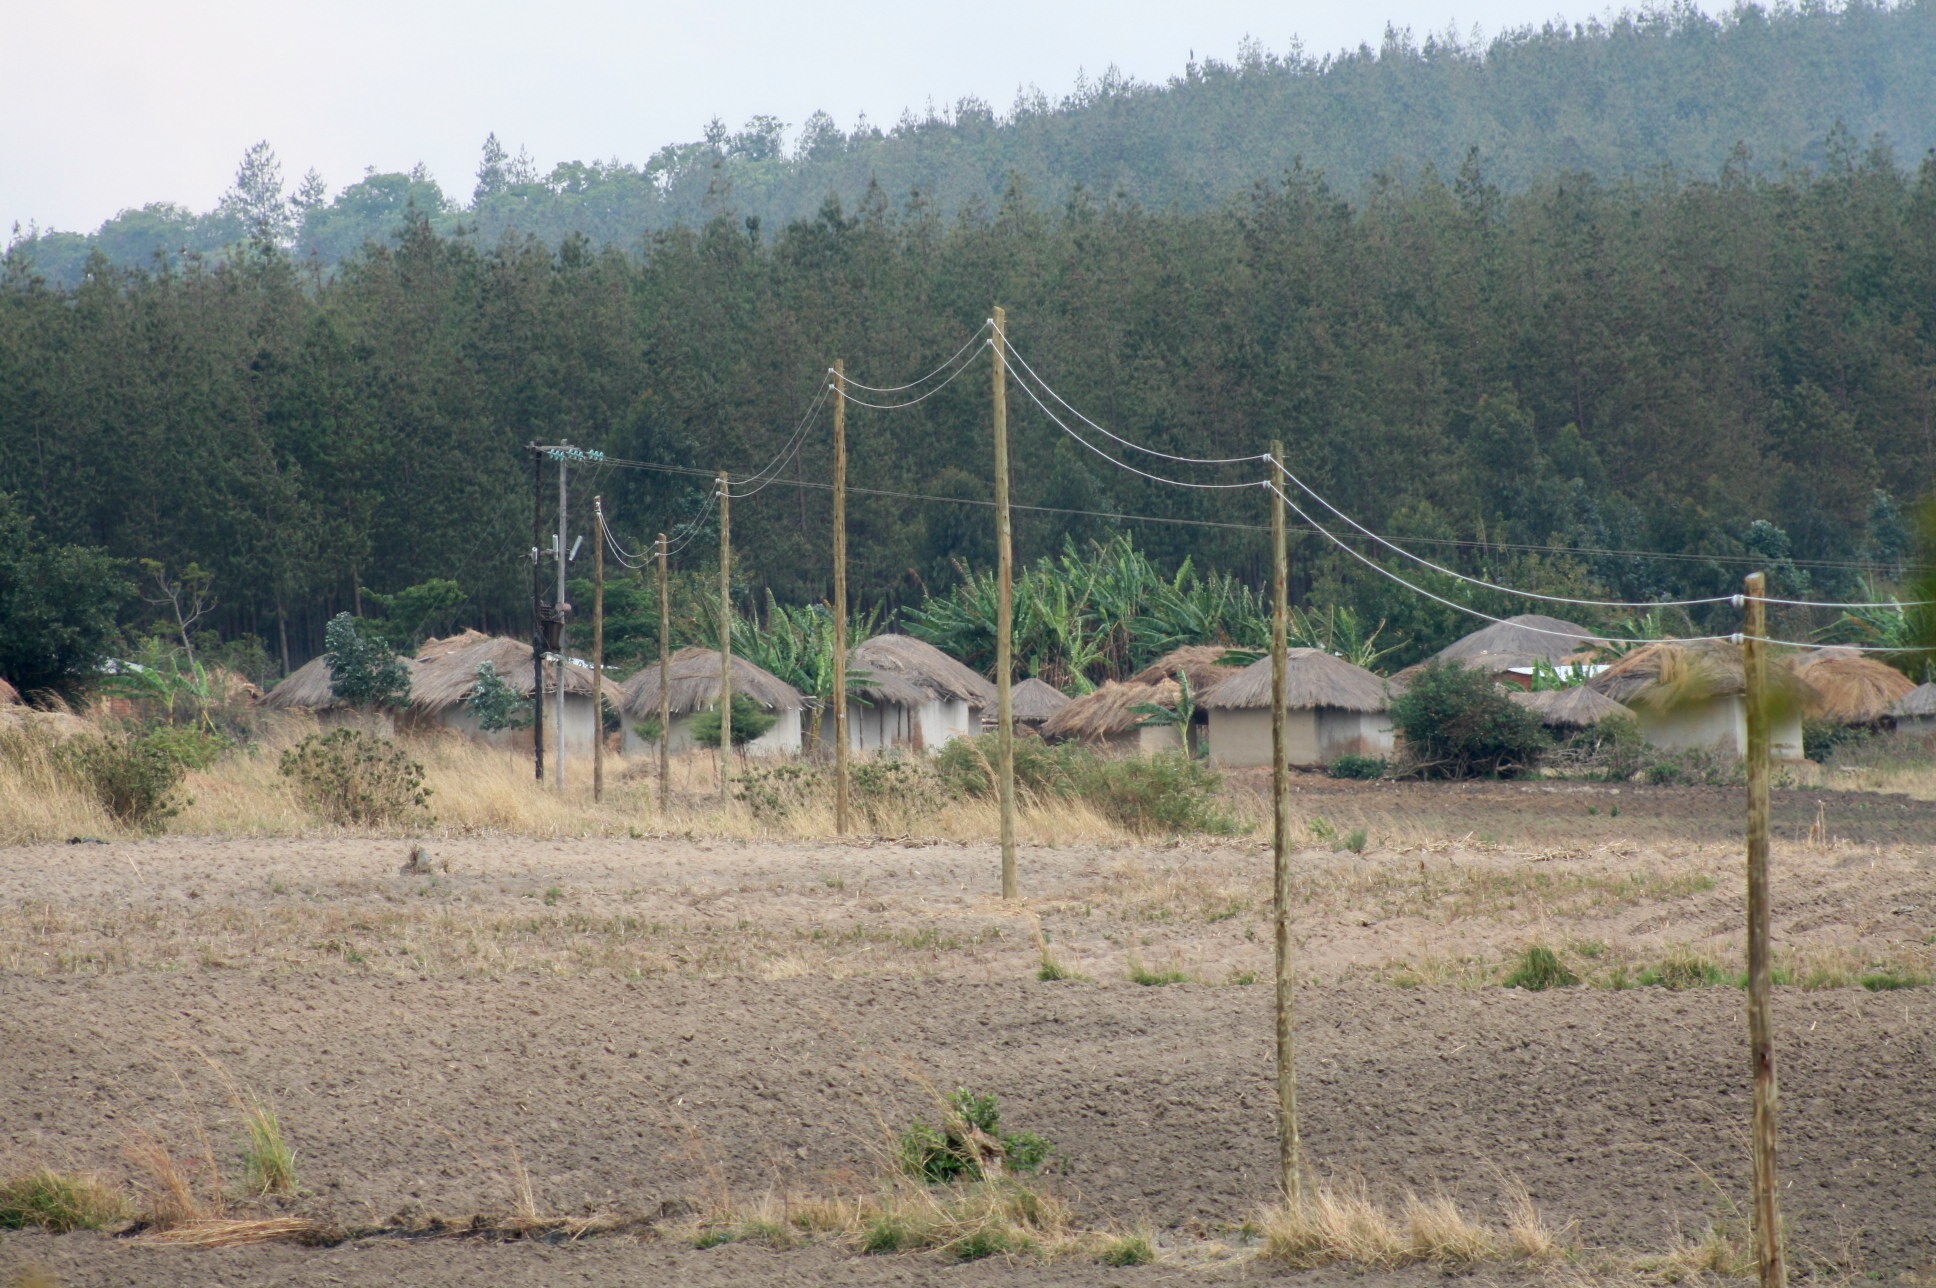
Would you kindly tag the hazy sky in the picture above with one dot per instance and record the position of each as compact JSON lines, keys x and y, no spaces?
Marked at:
{"x":107,"y":104}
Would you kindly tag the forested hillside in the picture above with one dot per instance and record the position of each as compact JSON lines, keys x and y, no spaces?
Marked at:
{"x":1758,"y":90}
{"x":1722,"y":369}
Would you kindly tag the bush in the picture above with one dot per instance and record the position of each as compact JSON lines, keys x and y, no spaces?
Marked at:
{"x":57,"y":1202}
{"x":1456,"y":723}
{"x":134,"y":778}
{"x":1821,"y":738}
{"x":495,"y":703}
{"x":357,"y":779}
{"x":1163,"y":795}
{"x":362,"y":669}
{"x":750,"y":720}
{"x":188,"y":747}
{"x":1362,"y":768}
{"x":1539,"y":969}
{"x":969,"y":1144}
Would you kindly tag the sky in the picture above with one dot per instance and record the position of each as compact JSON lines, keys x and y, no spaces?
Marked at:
{"x":111,"y":104}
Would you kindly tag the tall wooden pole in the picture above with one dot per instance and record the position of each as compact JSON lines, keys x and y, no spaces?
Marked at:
{"x":725,"y":634}
{"x":840,"y":597}
{"x":1004,"y":613}
{"x":558,"y":717}
{"x":598,"y":648}
{"x":537,"y":613}
{"x":1290,"y":1166}
{"x":665,"y":692}
{"x":1761,"y":1047}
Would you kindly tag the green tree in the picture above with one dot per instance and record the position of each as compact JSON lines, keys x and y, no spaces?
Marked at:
{"x":58,"y":607}
{"x":363,"y":671}
{"x":1456,"y":723}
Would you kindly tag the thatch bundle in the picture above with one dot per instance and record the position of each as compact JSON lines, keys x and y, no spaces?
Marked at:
{"x":1576,"y":708}
{"x":1034,"y":701}
{"x":1312,"y":679}
{"x":444,"y":672}
{"x":1919,"y":701}
{"x":903,"y":671}
{"x":692,"y":684}
{"x":1675,"y":672}
{"x":1848,"y":687}
{"x":307,"y":688}
{"x":1204,"y":665}
{"x":9,"y":696}
{"x":1110,"y":710}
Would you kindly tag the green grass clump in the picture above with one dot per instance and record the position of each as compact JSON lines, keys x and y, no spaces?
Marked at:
{"x":268,"y":1164}
{"x":1684,"y":970}
{"x":1141,"y":974}
{"x":57,"y":1202}
{"x":1127,"y":1250}
{"x":1539,"y":968}
{"x":970,"y":1144}
{"x":1890,"y":979}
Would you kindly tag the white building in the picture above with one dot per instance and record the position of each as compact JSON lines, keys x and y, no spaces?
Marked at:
{"x":692,"y":683}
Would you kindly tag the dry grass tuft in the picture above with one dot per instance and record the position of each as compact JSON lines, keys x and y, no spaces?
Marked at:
{"x":1343,"y":1225}
{"x":222,"y":1233}
{"x":166,"y":1188}
{"x":38,"y":800}
{"x":1003,"y":1216}
{"x":1441,"y":1234}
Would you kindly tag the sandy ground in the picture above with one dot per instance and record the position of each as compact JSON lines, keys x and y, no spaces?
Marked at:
{"x":646,"y":1026}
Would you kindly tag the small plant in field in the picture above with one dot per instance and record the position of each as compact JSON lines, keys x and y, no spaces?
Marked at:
{"x":1140,"y":974}
{"x":970,"y":1144}
{"x":1889,"y":979}
{"x":1051,"y":970}
{"x":750,"y":720}
{"x":1355,"y":840}
{"x":135,"y":779}
{"x":1127,"y":1250}
{"x":58,"y":1202}
{"x":1683,"y":970}
{"x":357,"y":779}
{"x":268,"y":1164}
{"x":1540,"y":968}
{"x":1362,"y":768}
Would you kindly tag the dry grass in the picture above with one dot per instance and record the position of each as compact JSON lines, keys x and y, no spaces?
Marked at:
{"x":231,"y":1233}
{"x":1341,"y":1224}
{"x":166,"y":1189}
{"x":38,"y":802}
{"x":998,"y":1217}
{"x":58,"y":1202}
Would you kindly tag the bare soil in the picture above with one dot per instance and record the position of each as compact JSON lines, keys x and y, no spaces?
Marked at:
{"x":648,"y":1027}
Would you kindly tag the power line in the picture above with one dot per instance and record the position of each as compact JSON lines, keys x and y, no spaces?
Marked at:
{"x":895,"y":389}
{"x":1023,"y":385}
{"x":918,"y":398}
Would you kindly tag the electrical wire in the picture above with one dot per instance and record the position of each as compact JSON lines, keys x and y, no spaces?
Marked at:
{"x":792,"y":447}
{"x":921,"y":397}
{"x":895,"y":389}
{"x":1023,"y":385}
{"x":1009,"y":346}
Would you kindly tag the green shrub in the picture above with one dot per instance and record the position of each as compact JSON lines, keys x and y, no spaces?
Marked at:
{"x":1683,"y":970}
{"x":188,"y":747}
{"x":363,"y":671}
{"x":1456,"y":723}
{"x":495,"y":703}
{"x":750,"y":720}
{"x":357,"y":779}
{"x":971,"y":1139}
{"x":1127,"y":1250}
{"x":1363,"y":768}
{"x":1164,"y":795}
{"x":1822,"y":738}
{"x":1539,"y":969}
{"x":134,"y":778}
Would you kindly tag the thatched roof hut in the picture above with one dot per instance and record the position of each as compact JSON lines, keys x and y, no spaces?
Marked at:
{"x":1917,"y":704}
{"x":1203,"y":664}
{"x":1676,"y":672}
{"x":1312,"y":679}
{"x":1848,"y":687}
{"x":307,"y":688}
{"x":1109,"y":712}
{"x":1576,"y":708}
{"x":692,"y":680}
{"x":1520,"y":641}
{"x":9,"y":696}
{"x":444,"y":671}
{"x":905,"y":671}
{"x":1033,"y":701}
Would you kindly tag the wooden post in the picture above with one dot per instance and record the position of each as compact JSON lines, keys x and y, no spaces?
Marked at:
{"x":840,"y":597}
{"x":537,"y":613}
{"x":564,"y":647}
{"x":1004,"y":614}
{"x":598,"y":648}
{"x":725,"y":634}
{"x":665,"y":697}
{"x":1290,"y":1165}
{"x":1761,"y":1049}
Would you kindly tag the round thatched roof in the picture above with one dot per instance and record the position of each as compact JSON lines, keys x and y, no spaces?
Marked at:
{"x":1312,"y":678}
{"x":1034,"y":701}
{"x":1203,"y":664}
{"x":903,"y":671}
{"x":693,"y":679}
{"x":1110,"y":710}
{"x":444,"y":671}
{"x":9,"y":696}
{"x":1848,"y":687}
{"x":1576,"y":708}
{"x":1672,"y":672}
{"x":1518,"y":641}
{"x":1919,"y":701}
{"x":304,"y":689}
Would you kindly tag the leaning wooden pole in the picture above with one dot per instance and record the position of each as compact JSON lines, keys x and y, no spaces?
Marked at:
{"x":598,"y":648}
{"x":1761,"y":1043}
{"x":537,"y":612}
{"x":725,"y":635}
{"x":1004,"y":614}
{"x":840,"y":597}
{"x":665,"y":692}
{"x":1289,"y":1164}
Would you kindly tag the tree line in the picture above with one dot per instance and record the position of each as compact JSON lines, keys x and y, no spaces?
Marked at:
{"x":1523,"y":385}
{"x":1757,"y":88}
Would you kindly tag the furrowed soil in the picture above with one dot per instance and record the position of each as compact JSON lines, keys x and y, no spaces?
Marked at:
{"x":658,"y":1029}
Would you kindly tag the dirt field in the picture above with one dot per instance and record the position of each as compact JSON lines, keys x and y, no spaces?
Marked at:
{"x":655,"y":1027}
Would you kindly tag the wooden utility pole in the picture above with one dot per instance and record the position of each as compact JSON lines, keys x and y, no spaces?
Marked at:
{"x":725,"y":634}
{"x":598,"y":648}
{"x":558,"y":719}
{"x":1761,"y":1046}
{"x":1004,"y":613}
{"x":840,"y":597}
{"x":1290,"y":1166}
{"x":665,"y":694}
{"x":537,"y":613}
